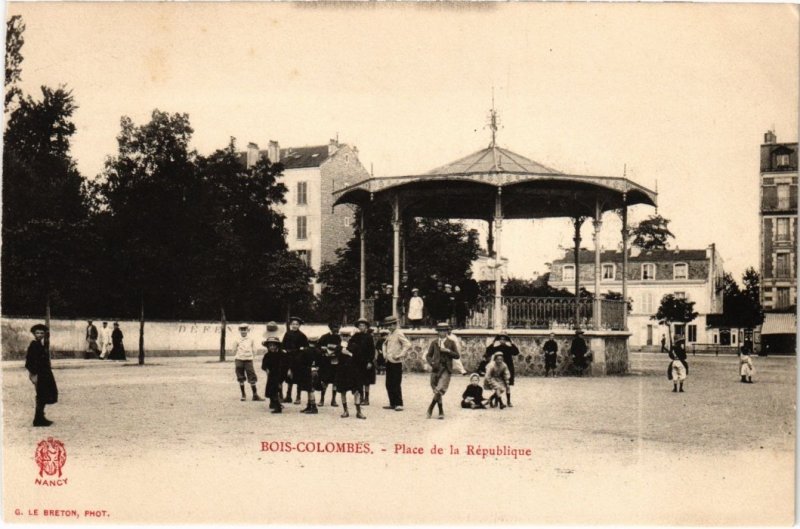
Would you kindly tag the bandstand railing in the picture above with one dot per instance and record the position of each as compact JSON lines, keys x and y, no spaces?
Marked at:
{"x":523,"y":312}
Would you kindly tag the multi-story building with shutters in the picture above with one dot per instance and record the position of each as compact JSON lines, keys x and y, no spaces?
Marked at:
{"x":314,"y":229}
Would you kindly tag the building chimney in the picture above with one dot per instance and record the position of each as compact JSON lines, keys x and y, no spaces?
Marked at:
{"x":333,"y":146}
{"x":770,"y":138}
{"x":274,"y":151}
{"x":252,"y":154}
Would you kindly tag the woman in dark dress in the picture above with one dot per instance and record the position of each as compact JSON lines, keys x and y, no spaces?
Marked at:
{"x":294,"y":341}
{"x":502,"y":344}
{"x":117,"y":349}
{"x":355,"y":360}
{"x":40,"y":372}
{"x":274,"y":363}
{"x":578,"y":351}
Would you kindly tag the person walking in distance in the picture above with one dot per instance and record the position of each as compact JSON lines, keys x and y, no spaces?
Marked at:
{"x":244,"y":350}
{"x":746,"y":368}
{"x":105,"y":341}
{"x":664,"y":348}
{"x":678,"y":368}
{"x":40,"y":372}
{"x":395,"y":349}
{"x":91,"y":340}
{"x":441,"y":353}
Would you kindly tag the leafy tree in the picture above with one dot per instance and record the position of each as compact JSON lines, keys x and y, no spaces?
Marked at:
{"x":436,"y":250}
{"x":652,"y":233}
{"x":742,"y":308}
{"x":46,"y":237}
{"x":674,"y":310}
{"x":15,"y":27}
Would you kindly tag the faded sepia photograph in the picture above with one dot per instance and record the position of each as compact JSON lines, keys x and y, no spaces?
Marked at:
{"x":399,"y":263}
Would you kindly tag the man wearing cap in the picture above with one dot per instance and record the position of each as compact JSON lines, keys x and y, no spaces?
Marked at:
{"x":550,"y":349}
{"x":294,"y":342}
{"x":273,"y":363}
{"x":244,"y":351}
{"x":415,"y":309}
{"x":330,"y":345}
{"x":395,"y":349}
{"x":40,"y":372}
{"x":440,"y":357}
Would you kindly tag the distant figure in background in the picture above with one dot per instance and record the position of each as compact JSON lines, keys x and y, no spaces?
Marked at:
{"x":472,"y":398}
{"x":679,"y":368}
{"x":105,"y":340}
{"x":91,"y":339}
{"x":449,"y":305}
{"x":244,"y":350}
{"x":578,"y":352}
{"x":746,"y":369}
{"x":550,"y":349}
{"x":294,"y":342}
{"x":496,"y":379}
{"x":415,"y":309}
{"x":117,"y":348}
{"x":460,"y":307}
{"x":664,"y":344}
{"x":40,"y":372}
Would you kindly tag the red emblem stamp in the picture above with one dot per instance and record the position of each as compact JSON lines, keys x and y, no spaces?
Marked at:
{"x":50,"y":456}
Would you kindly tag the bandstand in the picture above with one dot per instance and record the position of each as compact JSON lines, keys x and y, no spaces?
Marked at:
{"x":495,"y":184}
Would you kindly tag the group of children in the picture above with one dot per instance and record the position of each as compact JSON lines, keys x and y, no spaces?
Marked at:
{"x":678,"y":367}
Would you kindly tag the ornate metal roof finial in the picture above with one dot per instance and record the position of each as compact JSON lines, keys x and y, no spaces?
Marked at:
{"x":494,"y":122}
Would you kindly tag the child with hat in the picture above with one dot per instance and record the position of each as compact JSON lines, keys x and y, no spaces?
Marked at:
{"x":294,"y":341}
{"x":472,"y":398}
{"x":497,"y":379}
{"x":354,"y":361}
{"x":244,"y":351}
{"x":40,"y":372}
{"x":441,"y":353}
{"x":330,"y":345}
{"x":273,"y":363}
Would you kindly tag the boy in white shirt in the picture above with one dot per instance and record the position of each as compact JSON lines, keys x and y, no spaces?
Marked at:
{"x":244,"y":351}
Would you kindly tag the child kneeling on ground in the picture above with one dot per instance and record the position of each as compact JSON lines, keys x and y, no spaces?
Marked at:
{"x":473,"y":395}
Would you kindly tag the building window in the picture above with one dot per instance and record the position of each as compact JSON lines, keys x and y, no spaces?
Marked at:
{"x":648,"y":271}
{"x":680,"y":271}
{"x":783,"y":265}
{"x":782,"y":161}
{"x":783,"y":196}
{"x":305,"y":256}
{"x":782,"y":300}
{"x":302,"y":193}
{"x":680,"y":295}
{"x":568,"y":272}
{"x":608,"y":271}
{"x":648,"y":307}
{"x":782,"y":229}
{"x":301,"y":228}
{"x":691,"y":333}
{"x":348,"y":221}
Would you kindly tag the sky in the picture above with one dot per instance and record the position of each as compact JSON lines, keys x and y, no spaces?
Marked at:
{"x":677,"y":95}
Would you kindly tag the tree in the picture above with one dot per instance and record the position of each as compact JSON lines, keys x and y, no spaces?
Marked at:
{"x":674,"y":310}
{"x":652,"y":233}
{"x":435,"y":249}
{"x":742,"y":308}
{"x":46,"y":233}
{"x":15,"y":27}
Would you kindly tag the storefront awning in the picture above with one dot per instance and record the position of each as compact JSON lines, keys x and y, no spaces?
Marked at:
{"x":779,"y":324}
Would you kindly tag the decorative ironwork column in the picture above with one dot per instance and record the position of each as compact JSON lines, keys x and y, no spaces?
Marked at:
{"x":498,"y":263}
{"x":598,"y":223}
{"x":625,"y":235}
{"x":578,"y":222}
{"x":362,"y":275}
{"x":396,"y":225}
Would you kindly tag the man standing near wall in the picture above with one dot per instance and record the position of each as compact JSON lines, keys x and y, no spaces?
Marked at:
{"x":105,"y":341}
{"x":395,"y":348}
{"x":91,"y":340}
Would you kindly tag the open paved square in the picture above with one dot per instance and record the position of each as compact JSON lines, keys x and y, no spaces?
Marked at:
{"x":602,"y":450}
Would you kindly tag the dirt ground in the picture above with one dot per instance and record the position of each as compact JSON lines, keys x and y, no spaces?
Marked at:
{"x":171,"y":442}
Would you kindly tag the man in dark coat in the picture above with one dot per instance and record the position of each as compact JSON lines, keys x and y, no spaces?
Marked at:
{"x":40,"y":372}
{"x":92,"y":348}
{"x":578,"y":351}
{"x":330,"y":345}
{"x":274,"y":364}
{"x":294,"y":342}
{"x":502,"y":344}
{"x":550,"y":349}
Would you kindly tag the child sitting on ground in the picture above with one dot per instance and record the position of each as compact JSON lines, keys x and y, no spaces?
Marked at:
{"x":473,"y":395}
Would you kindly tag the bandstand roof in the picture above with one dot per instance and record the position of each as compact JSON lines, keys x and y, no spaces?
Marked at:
{"x":466,"y":189}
